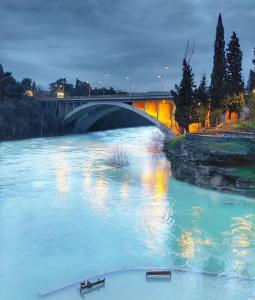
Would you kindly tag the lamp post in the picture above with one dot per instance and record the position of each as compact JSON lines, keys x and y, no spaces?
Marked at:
{"x":161,"y":76}
{"x":129,"y":86}
{"x":132,"y":89}
{"x":89,"y":86}
{"x":104,"y":88}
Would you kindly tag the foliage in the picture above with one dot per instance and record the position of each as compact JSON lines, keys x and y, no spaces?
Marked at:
{"x":251,"y":105}
{"x":185,"y":98}
{"x":227,"y":147}
{"x":218,"y":77}
{"x":9,"y":87}
{"x":234,"y":82}
{"x":245,"y":173}
{"x":61,"y":85}
{"x":251,"y":82}
{"x":20,"y":118}
{"x":175,"y":142}
{"x":202,"y":100}
{"x":81,"y":88}
{"x":119,"y":158}
{"x":247,"y":125}
{"x":234,"y":103}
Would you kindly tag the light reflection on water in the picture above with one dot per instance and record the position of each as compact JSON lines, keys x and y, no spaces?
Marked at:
{"x":65,"y":212}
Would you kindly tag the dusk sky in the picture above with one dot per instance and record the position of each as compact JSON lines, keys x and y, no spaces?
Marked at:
{"x":48,"y":39}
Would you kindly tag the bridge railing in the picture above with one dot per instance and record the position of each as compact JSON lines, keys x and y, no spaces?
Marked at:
{"x":133,"y":96}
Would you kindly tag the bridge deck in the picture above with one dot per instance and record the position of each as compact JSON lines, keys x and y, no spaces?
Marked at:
{"x":117,"y":98}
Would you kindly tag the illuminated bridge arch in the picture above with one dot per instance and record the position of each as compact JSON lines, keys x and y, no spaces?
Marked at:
{"x":89,"y":113}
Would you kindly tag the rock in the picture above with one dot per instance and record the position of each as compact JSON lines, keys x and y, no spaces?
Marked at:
{"x":212,"y":167}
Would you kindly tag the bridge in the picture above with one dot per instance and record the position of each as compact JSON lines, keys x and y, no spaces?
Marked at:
{"x":158,"y":109}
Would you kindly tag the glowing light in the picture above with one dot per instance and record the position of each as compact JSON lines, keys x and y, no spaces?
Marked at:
{"x":139,"y":104}
{"x":194,"y":127}
{"x":164,"y":112}
{"x":29,"y":93}
{"x":151,"y":108}
{"x":60,"y":95}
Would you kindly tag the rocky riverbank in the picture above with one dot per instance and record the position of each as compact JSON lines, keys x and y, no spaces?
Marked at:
{"x":225,"y":162}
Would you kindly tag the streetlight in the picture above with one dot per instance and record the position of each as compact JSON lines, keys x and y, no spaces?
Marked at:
{"x":104,"y":88}
{"x":129,"y":86}
{"x":161,"y":76}
{"x":253,"y":91}
{"x":89,"y":86}
{"x":132,"y":88}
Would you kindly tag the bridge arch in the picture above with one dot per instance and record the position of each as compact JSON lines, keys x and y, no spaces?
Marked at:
{"x":92,"y":112}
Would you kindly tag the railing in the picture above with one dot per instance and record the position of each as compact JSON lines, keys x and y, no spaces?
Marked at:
{"x":133,"y":96}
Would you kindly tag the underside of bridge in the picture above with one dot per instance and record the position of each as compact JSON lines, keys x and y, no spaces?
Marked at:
{"x":115,"y":115}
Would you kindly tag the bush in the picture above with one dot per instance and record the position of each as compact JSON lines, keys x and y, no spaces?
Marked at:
{"x":119,"y":158}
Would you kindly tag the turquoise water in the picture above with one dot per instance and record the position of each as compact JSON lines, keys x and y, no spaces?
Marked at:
{"x":66,"y":213}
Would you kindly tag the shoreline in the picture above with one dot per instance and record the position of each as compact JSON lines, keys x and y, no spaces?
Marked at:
{"x":224,"y":163}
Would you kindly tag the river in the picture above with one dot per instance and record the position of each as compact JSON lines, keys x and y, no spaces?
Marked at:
{"x":66,"y":212}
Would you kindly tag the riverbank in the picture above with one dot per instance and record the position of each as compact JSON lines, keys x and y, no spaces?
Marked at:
{"x":23,"y":118}
{"x":224,"y":162}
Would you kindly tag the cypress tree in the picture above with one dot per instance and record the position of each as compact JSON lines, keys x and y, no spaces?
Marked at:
{"x":202,"y":99}
{"x":202,"y":93}
{"x":234,"y":82}
{"x":251,"y":80}
{"x":184,"y":98}
{"x":217,"y":89}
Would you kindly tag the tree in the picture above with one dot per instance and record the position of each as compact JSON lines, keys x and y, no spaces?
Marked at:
{"x":251,"y":80}
{"x":82,"y":88}
{"x":202,"y":100}
{"x":9,"y":88}
{"x":234,"y":82}
{"x":61,"y":85}
{"x":26,"y":86}
{"x":218,"y":76}
{"x":184,"y":98}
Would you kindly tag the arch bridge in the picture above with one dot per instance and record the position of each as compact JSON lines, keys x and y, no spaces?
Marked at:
{"x":158,"y":109}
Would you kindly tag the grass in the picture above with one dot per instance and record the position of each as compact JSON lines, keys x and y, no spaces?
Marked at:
{"x":175,"y":142}
{"x":246,"y":173}
{"x":228,"y":147}
{"x":247,"y":125}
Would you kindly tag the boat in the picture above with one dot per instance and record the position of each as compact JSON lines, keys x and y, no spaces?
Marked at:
{"x":88,"y":285}
{"x":159,"y":274}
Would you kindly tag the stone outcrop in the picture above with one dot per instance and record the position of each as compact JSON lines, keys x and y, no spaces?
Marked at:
{"x":212,"y":161}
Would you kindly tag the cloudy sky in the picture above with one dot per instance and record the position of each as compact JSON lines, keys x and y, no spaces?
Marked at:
{"x":48,"y":39}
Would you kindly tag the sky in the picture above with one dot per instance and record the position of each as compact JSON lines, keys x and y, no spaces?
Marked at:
{"x":48,"y":39}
